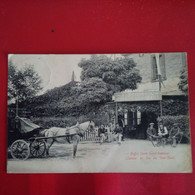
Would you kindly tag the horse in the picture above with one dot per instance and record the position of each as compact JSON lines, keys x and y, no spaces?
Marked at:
{"x":67,"y":135}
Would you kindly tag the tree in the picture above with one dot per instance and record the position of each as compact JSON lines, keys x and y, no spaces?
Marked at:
{"x":24,"y":83}
{"x":119,"y":73}
{"x":183,"y":84}
{"x":92,"y":90}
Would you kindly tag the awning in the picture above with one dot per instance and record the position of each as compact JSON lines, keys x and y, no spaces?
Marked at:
{"x":130,"y":96}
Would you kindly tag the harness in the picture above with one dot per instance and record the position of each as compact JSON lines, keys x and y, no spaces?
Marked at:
{"x":80,"y":130}
{"x":68,"y":139}
{"x":76,"y":130}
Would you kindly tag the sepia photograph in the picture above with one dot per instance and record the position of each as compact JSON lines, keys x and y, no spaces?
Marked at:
{"x":98,"y":113}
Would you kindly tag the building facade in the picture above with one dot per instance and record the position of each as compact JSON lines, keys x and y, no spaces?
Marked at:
{"x":157,"y":95}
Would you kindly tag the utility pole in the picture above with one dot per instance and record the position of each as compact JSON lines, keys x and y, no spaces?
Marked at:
{"x":16,"y":104}
{"x":116,"y":105}
{"x":116,"y":110}
{"x":157,"y":56}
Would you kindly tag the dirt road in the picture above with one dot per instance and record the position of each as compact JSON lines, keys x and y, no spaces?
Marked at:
{"x":130,"y":156}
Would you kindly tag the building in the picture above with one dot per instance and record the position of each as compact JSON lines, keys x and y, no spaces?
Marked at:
{"x":157,"y":95}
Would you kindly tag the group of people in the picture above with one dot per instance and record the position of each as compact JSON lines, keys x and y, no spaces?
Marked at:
{"x":115,"y":132}
{"x":162,"y":133}
{"x":106,"y":132}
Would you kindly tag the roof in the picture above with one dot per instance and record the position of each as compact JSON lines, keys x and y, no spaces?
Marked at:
{"x":150,"y":91}
{"x":169,"y":88}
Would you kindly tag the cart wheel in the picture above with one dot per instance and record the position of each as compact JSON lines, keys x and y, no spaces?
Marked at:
{"x":20,"y":150}
{"x":37,"y":148}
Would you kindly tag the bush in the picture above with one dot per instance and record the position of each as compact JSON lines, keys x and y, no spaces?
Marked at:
{"x":100,"y":117}
{"x":47,"y":122}
{"x":175,"y":106}
{"x":182,"y":121}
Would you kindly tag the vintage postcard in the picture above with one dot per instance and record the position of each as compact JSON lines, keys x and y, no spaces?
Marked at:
{"x":102,"y":113}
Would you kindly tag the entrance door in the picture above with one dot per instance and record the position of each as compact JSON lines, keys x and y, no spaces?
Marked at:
{"x":146,"y":119}
{"x":136,"y":123}
{"x":131,"y":122}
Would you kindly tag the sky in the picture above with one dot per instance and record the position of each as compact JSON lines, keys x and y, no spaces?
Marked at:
{"x":54,"y":70}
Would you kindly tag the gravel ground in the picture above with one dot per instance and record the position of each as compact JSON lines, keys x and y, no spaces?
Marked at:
{"x":130,"y":156}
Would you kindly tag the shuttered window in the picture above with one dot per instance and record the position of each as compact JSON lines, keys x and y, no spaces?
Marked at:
{"x":138,"y":117}
{"x":125,"y":118}
{"x":154,"y":72}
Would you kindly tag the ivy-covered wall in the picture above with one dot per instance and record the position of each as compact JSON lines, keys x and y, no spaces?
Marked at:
{"x":171,"y":105}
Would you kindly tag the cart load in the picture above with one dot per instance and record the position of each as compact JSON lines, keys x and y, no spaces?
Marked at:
{"x":26,"y":125}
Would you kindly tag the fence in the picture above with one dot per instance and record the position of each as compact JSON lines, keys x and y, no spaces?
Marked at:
{"x":90,"y":136}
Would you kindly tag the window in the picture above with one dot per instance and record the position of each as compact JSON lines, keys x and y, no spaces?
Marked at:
{"x":138,"y":117}
{"x":126,"y":118}
{"x":154,"y":72}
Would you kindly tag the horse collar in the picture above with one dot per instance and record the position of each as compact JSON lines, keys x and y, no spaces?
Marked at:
{"x":80,"y":129}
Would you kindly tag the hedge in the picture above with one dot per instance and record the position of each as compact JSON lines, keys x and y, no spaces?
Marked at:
{"x":47,"y":122}
{"x":181,"y":120}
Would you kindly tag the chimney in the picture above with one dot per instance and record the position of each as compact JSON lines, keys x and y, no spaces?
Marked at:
{"x":73,"y":76}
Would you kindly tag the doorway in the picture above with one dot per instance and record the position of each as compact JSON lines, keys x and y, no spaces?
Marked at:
{"x":137,"y":124}
{"x":146,"y":119}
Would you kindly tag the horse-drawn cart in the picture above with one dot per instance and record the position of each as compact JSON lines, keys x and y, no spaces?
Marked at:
{"x":27,"y":144}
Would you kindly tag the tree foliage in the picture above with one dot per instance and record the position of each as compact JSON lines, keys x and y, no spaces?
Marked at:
{"x":24,"y":83}
{"x":71,"y":99}
{"x":183,"y":84}
{"x":93,"y":90}
{"x":119,"y":73}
